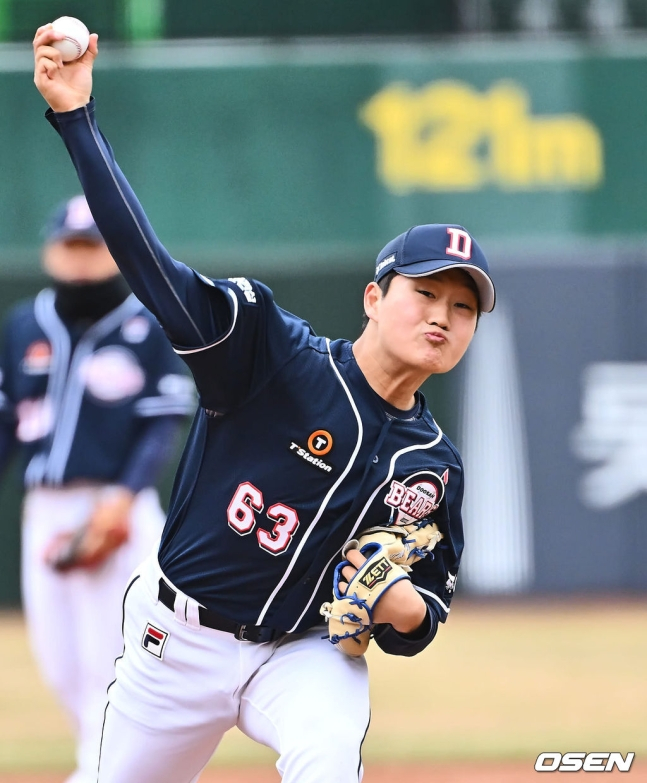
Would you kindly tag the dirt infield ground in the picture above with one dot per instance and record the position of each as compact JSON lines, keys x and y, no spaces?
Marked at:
{"x":502,"y":683}
{"x":473,"y":772}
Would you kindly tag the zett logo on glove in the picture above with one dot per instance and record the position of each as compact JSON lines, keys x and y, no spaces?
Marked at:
{"x":376,"y":573}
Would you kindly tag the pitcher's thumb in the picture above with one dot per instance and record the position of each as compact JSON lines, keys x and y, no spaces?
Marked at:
{"x":92,"y":50}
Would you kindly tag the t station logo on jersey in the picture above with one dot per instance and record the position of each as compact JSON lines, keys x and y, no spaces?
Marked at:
{"x":415,"y":498}
{"x":319,"y":444}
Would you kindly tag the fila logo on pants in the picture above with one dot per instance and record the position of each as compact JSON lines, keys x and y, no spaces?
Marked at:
{"x":154,"y":640}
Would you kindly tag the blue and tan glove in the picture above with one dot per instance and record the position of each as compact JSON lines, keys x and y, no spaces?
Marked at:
{"x":404,"y":544}
{"x":390,"y":553}
{"x":350,"y":613}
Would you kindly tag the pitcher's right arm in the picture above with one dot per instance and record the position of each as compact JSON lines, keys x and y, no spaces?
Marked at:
{"x":193,"y":314}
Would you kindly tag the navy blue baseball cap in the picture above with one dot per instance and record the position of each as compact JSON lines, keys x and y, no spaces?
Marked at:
{"x":423,"y":250}
{"x":72,"y":220}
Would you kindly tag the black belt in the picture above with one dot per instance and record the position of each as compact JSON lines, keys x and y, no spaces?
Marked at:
{"x":211,"y":619}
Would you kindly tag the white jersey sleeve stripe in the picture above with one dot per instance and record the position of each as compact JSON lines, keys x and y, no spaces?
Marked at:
{"x":440,"y":603}
{"x":184,"y":351}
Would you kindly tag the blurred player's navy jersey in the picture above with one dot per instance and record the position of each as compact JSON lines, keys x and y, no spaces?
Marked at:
{"x":292,"y":454}
{"x":58,"y":384}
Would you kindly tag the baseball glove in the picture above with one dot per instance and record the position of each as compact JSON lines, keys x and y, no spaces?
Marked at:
{"x":405,"y":544}
{"x":87,"y":547}
{"x":107,"y":529}
{"x":390,"y":553}
{"x":350,"y":614}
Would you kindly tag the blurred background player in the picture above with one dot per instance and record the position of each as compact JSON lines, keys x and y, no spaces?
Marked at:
{"x":95,"y":397}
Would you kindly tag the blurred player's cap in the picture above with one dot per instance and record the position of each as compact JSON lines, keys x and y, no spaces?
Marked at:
{"x":424,"y":250}
{"x":72,"y":220}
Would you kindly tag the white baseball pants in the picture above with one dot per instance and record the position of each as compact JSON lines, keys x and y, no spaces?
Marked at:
{"x":74,"y":618}
{"x":175,"y":695}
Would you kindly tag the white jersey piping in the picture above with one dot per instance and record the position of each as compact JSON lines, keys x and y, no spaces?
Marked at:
{"x":53,"y":328}
{"x":330,"y":493}
{"x":363,"y":513}
{"x":150,"y":406}
{"x":434,"y":596}
{"x":139,"y":228}
{"x":169,"y":409}
{"x":184,"y":351}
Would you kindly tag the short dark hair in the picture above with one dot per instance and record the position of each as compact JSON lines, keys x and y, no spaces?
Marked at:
{"x":385,"y":283}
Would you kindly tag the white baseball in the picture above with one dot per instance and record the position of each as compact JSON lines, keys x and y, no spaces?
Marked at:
{"x":77,"y":37}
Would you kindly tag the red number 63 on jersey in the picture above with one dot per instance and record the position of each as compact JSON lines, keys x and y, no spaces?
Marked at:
{"x":241,"y":516}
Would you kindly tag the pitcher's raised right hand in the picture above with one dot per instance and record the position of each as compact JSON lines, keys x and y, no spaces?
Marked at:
{"x":65,"y":86}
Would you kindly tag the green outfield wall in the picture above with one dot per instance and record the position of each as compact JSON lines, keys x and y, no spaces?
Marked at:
{"x":296,"y":164}
{"x":136,"y":19}
{"x":287,"y":155}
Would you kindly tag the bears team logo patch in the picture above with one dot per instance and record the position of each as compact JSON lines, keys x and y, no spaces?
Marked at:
{"x":154,"y":640}
{"x":376,"y":573}
{"x":37,"y":359}
{"x":415,"y":498}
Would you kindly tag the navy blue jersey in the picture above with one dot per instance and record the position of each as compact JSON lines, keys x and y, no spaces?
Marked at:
{"x":291,"y":452}
{"x":58,"y":386}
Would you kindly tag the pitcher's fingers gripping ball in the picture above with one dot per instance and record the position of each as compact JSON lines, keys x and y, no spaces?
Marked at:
{"x":77,"y":38}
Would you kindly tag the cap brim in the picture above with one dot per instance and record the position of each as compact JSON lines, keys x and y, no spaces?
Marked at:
{"x":487,"y":294}
{"x":65,"y":235}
